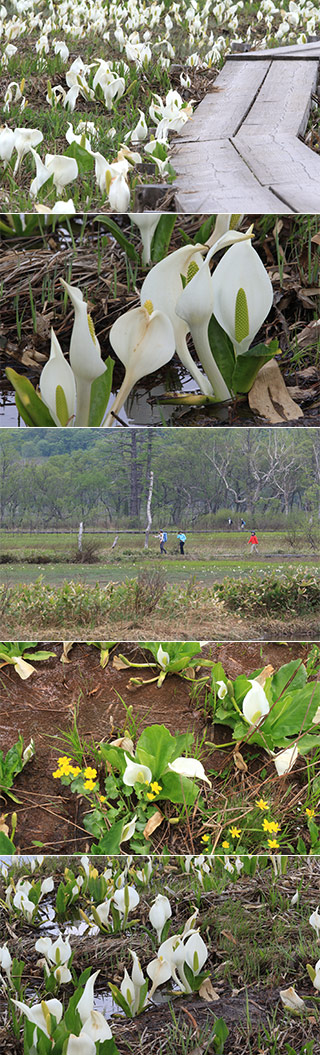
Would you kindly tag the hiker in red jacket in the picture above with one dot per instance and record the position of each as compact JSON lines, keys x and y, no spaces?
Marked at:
{"x":253,"y":542}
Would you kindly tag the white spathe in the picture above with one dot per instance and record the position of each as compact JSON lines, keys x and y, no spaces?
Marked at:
{"x":163,"y":286}
{"x":291,"y":1000}
{"x":63,"y":169}
{"x":143,"y":341}
{"x":241,"y":269}
{"x":255,"y":704}
{"x":84,"y":354}
{"x":85,"y":1004}
{"x":163,"y":657}
{"x":82,"y":1045}
{"x":147,"y":223}
{"x":39,"y":1013}
{"x":285,"y":760}
{"x":188,"y":767}
{"x":57,"y":372}
{"x":136,"y":773}
{"x":22,"y":668}
{"x":126,"y":899}
{"x":196,"y":305}
{"x":160,"y":911}
{"x":96,"y":1027}
{"x":119,"y":194}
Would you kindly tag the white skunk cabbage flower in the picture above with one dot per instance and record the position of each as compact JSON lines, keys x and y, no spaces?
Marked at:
{"x":57,"y":385}
{"x":82,"y":1045}
{"x":255,"y":704}
{"x":163,"y":286}
{"x":39,"y":1014}
{"x":196,"y":304}
{"x":147,"y":223}
{"x":63,"y":169}
{"x":22,"y":668}
{"x":189,"y":767}
{"x":242,"y":294}
{"x":291,"y":1000}
{"x":96,"y":1028}
{"x":126,"y":899}
{"x":163,"y":657}
{"x":136,"y":773}
{"x":314,"y":921}
{"x":144,"y":341}
{"x":285,"y":760}
{"x":85,"y":1005}
{"x":222,"y":690}
{"x":85,"y":357}
{"x":119,"y":194}
{"x":24,"y":139}
{"x":159,"y":913}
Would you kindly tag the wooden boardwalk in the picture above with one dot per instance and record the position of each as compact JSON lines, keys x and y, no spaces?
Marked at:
{"x":240,"y":152}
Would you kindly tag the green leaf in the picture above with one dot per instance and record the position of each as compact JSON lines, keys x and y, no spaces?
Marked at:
{"x":222,"y":350}
{"x":6,"y":846}
{"x":110,"y":842}
{"x":30,"y":406}
{"x":117,"y":233}
{"x":100,"y":395}
{"x":249,"y":363}
{"x":205,"y":230}
{"x":155,"y":748}
{"x":179,"y":789}
{"x":162,"y":236}
{"x":282,"y":678}
{"x":84,"y":160}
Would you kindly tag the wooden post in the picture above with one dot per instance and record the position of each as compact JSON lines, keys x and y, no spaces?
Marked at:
{"x":149,"y":517}
{"x":80,"y":537}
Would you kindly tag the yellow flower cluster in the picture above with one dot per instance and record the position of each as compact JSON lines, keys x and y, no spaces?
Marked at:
{"x":67,"y":769}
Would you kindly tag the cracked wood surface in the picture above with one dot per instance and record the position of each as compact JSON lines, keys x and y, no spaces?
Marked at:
{"x":241,"y":151}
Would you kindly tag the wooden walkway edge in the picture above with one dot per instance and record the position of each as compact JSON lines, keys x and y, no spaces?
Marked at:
{"x":241,"y":151}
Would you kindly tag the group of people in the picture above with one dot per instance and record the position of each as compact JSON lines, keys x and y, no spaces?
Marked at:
{"x":163,"y":537}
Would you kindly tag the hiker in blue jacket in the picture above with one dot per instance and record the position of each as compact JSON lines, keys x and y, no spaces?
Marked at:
{"x":182,"y":539}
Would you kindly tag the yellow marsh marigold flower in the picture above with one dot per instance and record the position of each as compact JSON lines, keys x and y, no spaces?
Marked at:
{"x":75,"y":770}
{"x":57,"y":773}
{"x":262,"y":804}
{"x":90,"y":773}
{"x":89,"y":785}
{"x":310,"y":813}
{"x":225,"y":845}
{"x":150,"y":796}
{"x":102,"y":798}
{"x":235,"y":832}
{"x":64,"y":761}
{"x":271,"y":826}
{"x":205,"y":838}
{"x":155,"y":787}
{"x":272,"y":843}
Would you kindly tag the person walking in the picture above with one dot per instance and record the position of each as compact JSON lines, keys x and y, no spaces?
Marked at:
{"x":162,"y":536}
{"x":230,"y":522}
{"x":242,"y":524}
{"x":253,"y":541}
{"x":182,"y":539}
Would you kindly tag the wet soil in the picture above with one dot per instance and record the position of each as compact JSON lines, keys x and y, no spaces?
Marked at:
{"x":49,"y":815}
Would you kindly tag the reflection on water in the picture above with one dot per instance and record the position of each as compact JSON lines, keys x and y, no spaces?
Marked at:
{"x":141,"y":408}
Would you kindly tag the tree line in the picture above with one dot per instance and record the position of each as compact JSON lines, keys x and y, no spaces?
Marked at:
{"x":54,"y":478}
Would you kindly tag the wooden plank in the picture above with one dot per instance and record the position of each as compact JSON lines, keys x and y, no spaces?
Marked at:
{"x":217,"y":180}
{"x":283,"y":163}
{"x":220,"y":113}
{"x":283,"y":102}
{"x":305,"y":51}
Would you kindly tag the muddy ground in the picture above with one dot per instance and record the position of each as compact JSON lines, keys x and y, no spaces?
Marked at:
{"x":48,"y":813}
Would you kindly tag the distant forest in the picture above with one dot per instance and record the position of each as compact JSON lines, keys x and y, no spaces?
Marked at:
{"x":56,"y":477}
